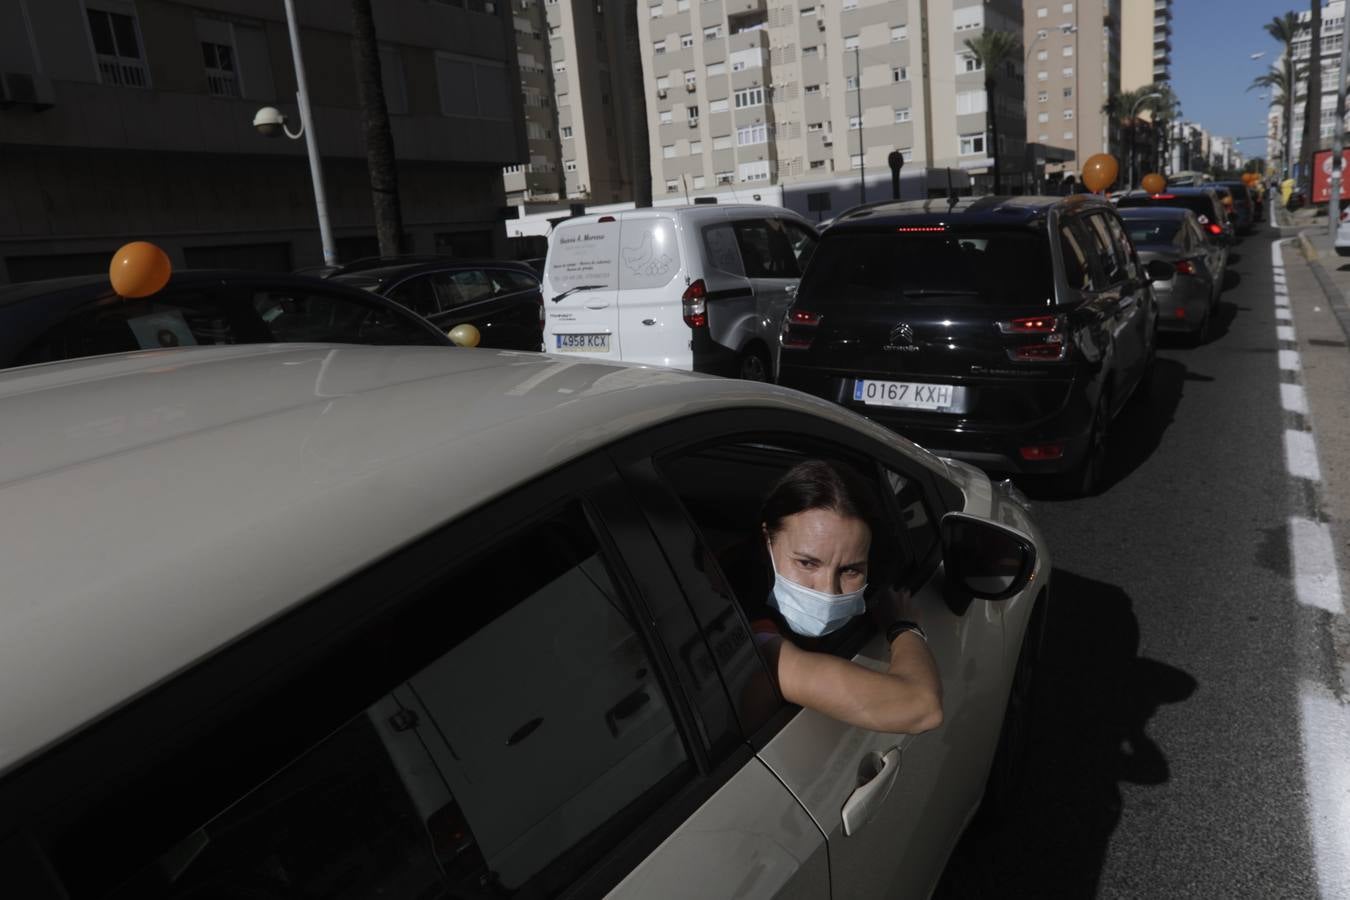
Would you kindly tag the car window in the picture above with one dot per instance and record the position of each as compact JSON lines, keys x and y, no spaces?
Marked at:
{"x":504,"y":767}
{"x":1113,"y":264}
{"x":509,"y":281}
{"x":720,"y":243}
{"x":1077,"y":267}
{"x":297,"y":315}
{"x":458,"y":288}
{"x":765,"y":249}
{"x":722,"y":490}
{"x":1153,"y":231}
{"x":418,"y":295}
{"x":917,"y":522}
{"x":803,"y":242}
{"x":1120,"y":242}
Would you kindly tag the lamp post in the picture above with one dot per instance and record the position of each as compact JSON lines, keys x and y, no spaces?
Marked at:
{"x":1338,"y":141}
{"x":270,"y":122}
{"x":1133,"y":111}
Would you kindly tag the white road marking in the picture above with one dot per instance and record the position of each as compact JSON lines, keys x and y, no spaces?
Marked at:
{"x":1317,"y":582}
{"x":1300,"y":454}
{"x":1325,"y":727}
{"x":1285,"y":333}
{"x":1293,"y":399}
{"x":1282,"y":313}
{"x":1281,"y":302}
{"x":1289,"y":360}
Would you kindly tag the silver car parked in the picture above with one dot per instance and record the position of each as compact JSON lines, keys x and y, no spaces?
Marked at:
{"x":1186,"y":301}
{"x":352,"y":622}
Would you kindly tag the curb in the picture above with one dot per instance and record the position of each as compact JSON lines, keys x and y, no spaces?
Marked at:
{"x":1335,"y":298}
{"x":1306,"y":245}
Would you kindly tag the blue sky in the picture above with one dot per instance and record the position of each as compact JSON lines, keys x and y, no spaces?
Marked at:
{"x":1212,"y":43}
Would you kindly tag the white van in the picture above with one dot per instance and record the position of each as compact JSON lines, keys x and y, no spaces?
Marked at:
{"x":701,"y":288}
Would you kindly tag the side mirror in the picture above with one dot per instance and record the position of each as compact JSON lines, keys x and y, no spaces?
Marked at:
{"x":1159,"y":271}
{"x":985,"y":559}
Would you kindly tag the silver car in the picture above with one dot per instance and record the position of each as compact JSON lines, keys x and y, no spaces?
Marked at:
{"x":350,"y":621}
{"x":1172,"y":235}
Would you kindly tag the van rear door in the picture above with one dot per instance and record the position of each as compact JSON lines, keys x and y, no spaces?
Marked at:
{"x":581,"y":288}
{"x":651,"y":315}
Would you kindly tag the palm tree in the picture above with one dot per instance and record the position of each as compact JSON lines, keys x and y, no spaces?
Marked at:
{"x":1282,"y":85}
{"x":994,"y":50}
{"x":1312,"y":107}
{"x":1284,"y":29}
{"x":1164,"y":110}
{"x":375,"y":124}
{"x":1125,"y":107}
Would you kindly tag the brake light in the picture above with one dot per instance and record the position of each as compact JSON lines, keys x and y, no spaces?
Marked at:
{"x":1048,"y":352}
{"x":694,"y":304}
{"x":1185,"y":267}
{"x":921,"y":229}
{"x":1164,"y":196}
{"x":1036,"y":452}
{"x":799,"y":329}
{"x":1033,"y":325}
{"x":1215,"y":228}
{"x":1050,"y":346}
{"x":541,"y":311}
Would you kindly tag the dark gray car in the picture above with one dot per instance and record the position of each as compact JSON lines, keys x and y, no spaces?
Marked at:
{"x":1172,"y":235}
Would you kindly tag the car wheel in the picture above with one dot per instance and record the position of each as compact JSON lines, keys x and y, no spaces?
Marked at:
{"x":1008,"y":772}
{"x":1085,"y":479}
{"x":754,"y":366}
{"x":1200,"y":336}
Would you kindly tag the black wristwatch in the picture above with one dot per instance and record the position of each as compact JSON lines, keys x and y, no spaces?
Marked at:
{"x":900,"y":626}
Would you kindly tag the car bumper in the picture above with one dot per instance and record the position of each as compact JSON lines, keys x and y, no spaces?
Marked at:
{"x":1183,"y":305}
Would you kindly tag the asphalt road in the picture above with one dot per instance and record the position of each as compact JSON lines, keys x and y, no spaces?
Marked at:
{"x":1167,"y":758}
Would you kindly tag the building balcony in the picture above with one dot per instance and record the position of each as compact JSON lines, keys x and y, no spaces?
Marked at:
{"x":757,"y":39}
{"x":1162,"y":8}
{"x":739,"y":8}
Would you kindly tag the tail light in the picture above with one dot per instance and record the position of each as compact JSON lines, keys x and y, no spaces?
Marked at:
{"x":1164,"y":196}
{"x":541,"y":310}
{"x":799,"y":329}
{"x":694,"y":304}
{"x":1185,"y":267}
{"x":1215,"y":228}
{"x":1050,"y":345}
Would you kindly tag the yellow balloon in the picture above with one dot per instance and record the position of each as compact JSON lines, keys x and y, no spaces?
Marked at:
{"x":465,"y":335}
{"x":139,"y":269}
{"x":1099,"y":172}
{"x":1154,"y":183}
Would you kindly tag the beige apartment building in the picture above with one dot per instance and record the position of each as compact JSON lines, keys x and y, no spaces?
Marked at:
{"x":1145,"y":43}
{"x":1073,"y":68}
{"x":132,"y":119}
{"x":758,"y":92}
{"x":575,"y":102}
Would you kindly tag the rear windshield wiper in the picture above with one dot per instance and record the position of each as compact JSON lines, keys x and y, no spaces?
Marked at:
{"x":581,"y":287}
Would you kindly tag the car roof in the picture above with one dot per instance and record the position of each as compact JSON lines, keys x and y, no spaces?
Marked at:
{"x":1025,"y":210}
{"x":157,"y":505}
{"x":1155,"y":212}
{"x":380,"y":274}
{"x":691,"y":210}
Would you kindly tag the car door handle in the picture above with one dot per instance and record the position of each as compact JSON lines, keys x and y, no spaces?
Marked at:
{"x":594,"y":305}
{"x":864,"y":803}
{"x":648,"y":321}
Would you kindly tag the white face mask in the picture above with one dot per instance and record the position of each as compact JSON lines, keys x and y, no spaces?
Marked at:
{"x":813,"y":613}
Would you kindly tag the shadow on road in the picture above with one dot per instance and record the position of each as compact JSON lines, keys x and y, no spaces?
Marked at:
{"x":1096,"y":696}
{"x":1231,"y":279}
{"x":1139,"y":428}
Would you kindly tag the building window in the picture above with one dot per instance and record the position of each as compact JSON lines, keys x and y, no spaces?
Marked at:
{"x":656,"y":11}
{"x":658,"y":47}
{"x":972,"y":144}
{"x":221,"y":79}
{"x":1066,"y":8}
{"x":672,"y":185}
{"x":902,"y":115}
{"x":690,"y":80}
{"x":808,"y":11}
{"x":695,"y":148}
{"x":1043,"y":117}
{"x":722,"y":142}
{"x":718,"y":106}
{"x":667,"y":117}
{"x":855,"y":161}
{"x":567,"y":131}
{"x":854,"y":122}
{"x":569,"y":165}
{"x":752,"y":134}
{"x":1067,"y":71}
{"x":749,"y":97}
{"x":117,"y":48}
{"x":968,"y":62}
{"x":1068,"y":92}
{"x":686,"y":40}
{"x":850,"y":4}
{"x":725,"y":177}
{"x":907,"y":154}
{"x":850,"y":82}
{"x":1042,"y":75}
{"x":700,"y":182}
{"x":968,"y":18}
{"x":719,"y":68}
{"x":900,"y":73}
{"x":712,"y":33}
{"x":817,"y":163}
{"x":1043,"y":96}
{"x":680,"y":6}
{"x":1068,"y":114}
{"x":810,"y":51}
{"x":1042,"y":12}
{"x":754,"y":171}
{"x":970,"y":102}
{"x":668,"y":151}
{"x":851,"y":42}
{"x":693,"y":115}
{"x":1042,"y":55}
{"x":899,"y":32}
{"x":663,"y":83}
{"x":1067,"y":50}
{"x":811,"y":89}
{"x":1068,"y":135}
{"x":815,"y":126}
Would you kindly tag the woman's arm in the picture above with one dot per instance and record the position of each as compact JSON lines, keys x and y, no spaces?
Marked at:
{"x":905,"y":699}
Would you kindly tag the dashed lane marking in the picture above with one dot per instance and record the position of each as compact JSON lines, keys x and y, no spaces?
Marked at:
{"x":1285,"y":333}
{"x":1317,"y":582}
{"x":1325,"y":726}
{"x":1294,"y":399}
{"x":1300,"y":455}
{"x":1289,"y":361}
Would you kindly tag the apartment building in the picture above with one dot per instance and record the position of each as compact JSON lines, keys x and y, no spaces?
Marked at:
{"x":1073,"y":68}
{"x":132,"y":119}
{"x":1328,"y":60}
{"x":1145,"y":43}
{"x":575,"y":100}
{"x":760,"y":92}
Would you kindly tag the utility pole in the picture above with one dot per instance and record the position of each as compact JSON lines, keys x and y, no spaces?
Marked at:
{"x":862,"y":151}
{"x":311,"y":142}
{"x":1338,"y":140}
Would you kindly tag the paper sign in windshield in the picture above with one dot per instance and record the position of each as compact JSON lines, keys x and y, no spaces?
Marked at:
{"x":585,"y":255}
{"x":162,"y":329}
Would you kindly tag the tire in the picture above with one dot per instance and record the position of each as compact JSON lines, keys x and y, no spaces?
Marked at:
{"x":1200,"y":336}
{"x":1008,"y":771}
{"x":754,"y":366}
{"x":1085,"y":479}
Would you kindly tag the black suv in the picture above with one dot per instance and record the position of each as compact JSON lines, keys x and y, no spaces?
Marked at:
{"x":1004,"y":331}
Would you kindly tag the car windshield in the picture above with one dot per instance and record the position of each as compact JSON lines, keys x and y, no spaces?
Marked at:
{"x":1200,"y":204}
{"x":1152,"y":231}
{"x":942,"y":267}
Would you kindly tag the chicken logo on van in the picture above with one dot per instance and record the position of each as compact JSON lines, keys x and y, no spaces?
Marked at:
{"x":644,"y":260}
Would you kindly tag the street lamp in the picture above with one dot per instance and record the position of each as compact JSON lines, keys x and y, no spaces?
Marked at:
{"x":1133,"y":111}
{"x":271,"y":122}
{"x":1066,"y":28}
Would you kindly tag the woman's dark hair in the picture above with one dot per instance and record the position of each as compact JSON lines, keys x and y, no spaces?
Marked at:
{"x":817,"y":484}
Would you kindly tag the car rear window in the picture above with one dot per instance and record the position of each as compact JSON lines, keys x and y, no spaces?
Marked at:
{"x":989,"y":267}
{"x":1156,"y":231}
{"x":1201,"y":205}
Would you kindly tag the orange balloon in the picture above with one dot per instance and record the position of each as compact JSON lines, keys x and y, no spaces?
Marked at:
{"x":139,"y":269}
{"x":1099,"y":172}
{"x":1154,"y":183}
